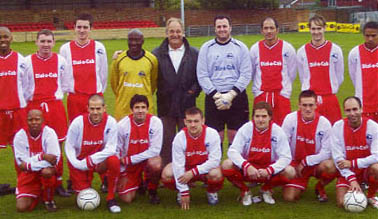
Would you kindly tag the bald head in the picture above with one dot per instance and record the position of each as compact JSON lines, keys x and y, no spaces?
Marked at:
{"x":135,"y":32}
{"x":5,"y":29}
{"x":35,"y":120}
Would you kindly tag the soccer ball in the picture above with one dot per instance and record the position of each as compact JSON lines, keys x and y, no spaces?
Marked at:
{"x":355,"y":201}
{"x":88,"y":199}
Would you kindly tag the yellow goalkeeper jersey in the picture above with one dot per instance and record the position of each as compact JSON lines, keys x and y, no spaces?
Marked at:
{"x":133,"y":76}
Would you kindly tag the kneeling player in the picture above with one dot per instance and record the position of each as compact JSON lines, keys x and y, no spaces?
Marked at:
{"x":355,"y":152}
{"x":140,"y":137}
{"x":259,"y":153}
{"x":36,"y":153}
{"x":196,"y":156}
{"x":308,"y":135}
{"x":91,"y":147}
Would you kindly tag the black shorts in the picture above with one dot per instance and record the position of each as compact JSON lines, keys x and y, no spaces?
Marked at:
{"x":234,"y":117}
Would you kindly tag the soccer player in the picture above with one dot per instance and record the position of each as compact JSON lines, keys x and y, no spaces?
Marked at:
{"x":196,"y":155}
{"x":260,"y":153}
{"x":134,"y":71}
{"x":273,"y":70}
{"x":308,"y":135}
{"x":177,"y":86}
{"x":87,"y":68}
{"x":91,"y":147}
{"x":14,"y":77}
{"x":363,"y":69}
{"x":224,"y":71}
{"x":37,"y":151}
{"x":48,"y":69}
{"x":354,"y":143}
{"x":321,"y":69}
{"x":140,"y":137}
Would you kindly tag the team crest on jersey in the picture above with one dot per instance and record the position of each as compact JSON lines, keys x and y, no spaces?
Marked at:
{"x":273,"y":139}
{"x":230,"y":56}
{"x":62,"y":68}
{"x":100,"y":51}
{"x":321,"y":133}
{"x":151,"y":132}
{"x":334,"y":55}
{"x":23,"y":66}
{"x":369,"y":137}
{"x":286,"y":55}
{"x":207,"y":144}
{"x":142,"y":74}
{"x":107,"y":131}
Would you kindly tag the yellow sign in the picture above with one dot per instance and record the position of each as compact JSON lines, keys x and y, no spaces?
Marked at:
{"x":303,"y":27}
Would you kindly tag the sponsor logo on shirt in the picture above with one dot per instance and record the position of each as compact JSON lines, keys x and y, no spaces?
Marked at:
{"x":357,"y":148}
{"x":192,"y":153}
{"x":374,"y":65}
{"x":230,"y":55}
{"x":260,"y":150}
{"x":127,"y":84}
{"x":83,"y":62}
{"x":139,"y":141}
{"x":274,"y":63}
{"x":7,"y":73}
{"x":303,"y":139}
{"x":318,"y":64}
{"x":46,"y":75}
{"x":224,"y":68}
{"x":89,"y":143}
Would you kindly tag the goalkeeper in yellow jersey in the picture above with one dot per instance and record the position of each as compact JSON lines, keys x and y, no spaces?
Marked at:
{"x":133,"y":72}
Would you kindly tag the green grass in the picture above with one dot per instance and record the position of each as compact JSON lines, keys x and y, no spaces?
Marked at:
{"x":307,"y":207}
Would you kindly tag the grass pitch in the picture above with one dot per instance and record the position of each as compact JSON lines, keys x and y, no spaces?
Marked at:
{"x":307,"y":207}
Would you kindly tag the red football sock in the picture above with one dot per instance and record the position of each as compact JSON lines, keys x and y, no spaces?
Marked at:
{"x":113,"y":172}
{"x":236,"y":178}
{"x":170,"y":184}
{"x":48,"y":185}
{"x":372,"y":187}
{"x":214,"y":186}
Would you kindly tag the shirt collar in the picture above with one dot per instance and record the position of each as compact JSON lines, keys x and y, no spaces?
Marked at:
{"x":181,"y":48}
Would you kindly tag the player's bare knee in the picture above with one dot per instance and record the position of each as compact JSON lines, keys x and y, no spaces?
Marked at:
{"x":154,"y":164}
{"x":327,"y":166}
{"x":22,"y":205}
{"x":167,"y":173}
{"x":289,"y":197}
{"x":289,"y":172}
{"x":227,"y":164}
{"x":215,"y":174}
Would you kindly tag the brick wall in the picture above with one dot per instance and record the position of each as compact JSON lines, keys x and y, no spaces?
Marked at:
{"x":192,"y":17}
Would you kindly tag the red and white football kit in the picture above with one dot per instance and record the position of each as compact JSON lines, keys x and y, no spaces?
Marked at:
{"x":136,"y":144}
{"x":273,"y":72}
{"x":47,"y":94}
{"x":309,"y":144}
{"x":30,"y":183}
{"x":200,"y":155}
{"x":88,"y":145}
{"x":87,"y":73}
{"x":363,"y":68}
{"x":267,"y":149}
{"x":46,"y":90}
{"x":14,"y":77}
{"x":321,"y":69}
{"x":360,"y":146}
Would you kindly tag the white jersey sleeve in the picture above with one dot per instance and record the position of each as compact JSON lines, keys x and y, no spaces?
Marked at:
{"x":68,"y":82}
{"x":212,"y":139}
{"x":355,"y":73}
{"x":372,"y":140}
{"x":179,"y":159}
{"x":238,"y":151}
{"x":281,"y":155}
{"x":73,"y":143}
{"x":101,"y":66}
{"x":50,"y":145}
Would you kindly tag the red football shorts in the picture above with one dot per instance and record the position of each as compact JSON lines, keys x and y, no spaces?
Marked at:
{"x":54,"y":115}
{"x":301,"y":182}
{"x":361,"y":175}
{"x":280,"y":105}
{"x":81,"y":179}
{"x":28,"y":185}
{"x":11,"y":121}
{"x":329,"y":107}
{"x":134,"y":178}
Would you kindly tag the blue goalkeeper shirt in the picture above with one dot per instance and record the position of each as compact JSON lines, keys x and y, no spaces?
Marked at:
{"x":222,"y":67}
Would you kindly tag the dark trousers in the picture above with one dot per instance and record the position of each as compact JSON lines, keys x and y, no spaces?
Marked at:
{"x":169,"y":125}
